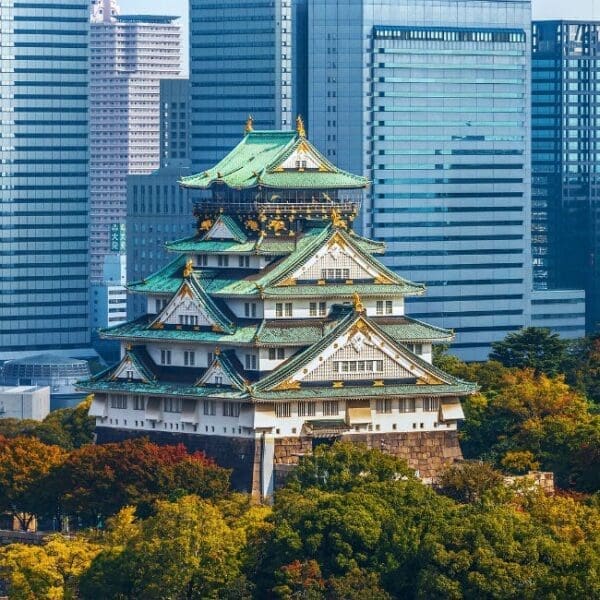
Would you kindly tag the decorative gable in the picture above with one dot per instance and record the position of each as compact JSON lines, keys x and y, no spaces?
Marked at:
{"x":215,"y":375}
{"x":224,"y":228}
{"x":184,"y":309}
{"x":303,"y":158}
{"x":128,"y":370}
{"x":337,"y":259}
{"x":360,"y":353}
{"x":222,"y":372}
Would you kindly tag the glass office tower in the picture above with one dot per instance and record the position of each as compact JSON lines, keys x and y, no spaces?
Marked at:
{"x":431,"y":101}
{"x":44,"y":178}
{"x":244,"y":60}
{"x":566,"y":159}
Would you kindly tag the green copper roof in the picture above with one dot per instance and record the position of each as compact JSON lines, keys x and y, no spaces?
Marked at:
{"x":274,"y":333}
{"x":256,"y":162}
{"x":165,"y":281}
{"x":232,"y":368}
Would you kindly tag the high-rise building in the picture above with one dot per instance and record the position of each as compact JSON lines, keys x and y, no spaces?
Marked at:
{"x":276,"y":329}
{"x":566,"y":159}
{"x":245,"y":59}
{"x":44,"y":192}
{"x":431,"y":101}
{"x":130,"y":55}
{"x":158,"y":210}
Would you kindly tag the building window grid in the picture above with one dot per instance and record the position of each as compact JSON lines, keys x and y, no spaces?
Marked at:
{"x":331,"y":408}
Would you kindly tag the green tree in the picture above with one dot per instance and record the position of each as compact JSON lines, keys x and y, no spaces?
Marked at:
{"x":532,"y":348}
{"x":469,"y":481}
{"x":345,"y":466}
{"x":186,"y":550}
{"x":357,"y":584}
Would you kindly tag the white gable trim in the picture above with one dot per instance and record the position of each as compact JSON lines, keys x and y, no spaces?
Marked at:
{"x":361,"y":342}
{"x":219,"y":231}
{"x":172,"y":310}
{"x":303,"y":158}
{"x":212,"y":373}
{"x":128,"y":365}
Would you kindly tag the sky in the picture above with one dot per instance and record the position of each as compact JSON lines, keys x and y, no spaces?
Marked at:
{"x":542,"y":9}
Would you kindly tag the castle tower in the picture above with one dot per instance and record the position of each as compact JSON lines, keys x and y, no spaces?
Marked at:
{"x":275,"y":329}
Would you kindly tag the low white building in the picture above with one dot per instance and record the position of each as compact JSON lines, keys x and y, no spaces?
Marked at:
{"x":24,"y":402}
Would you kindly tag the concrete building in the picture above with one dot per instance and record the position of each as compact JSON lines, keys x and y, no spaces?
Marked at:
{"x":158,"y":210}
{"x":44,"y":191}
{"x":24,"y":402}
{"x":566,"y":159}
{"x":431,"y":101}
{"x":48,"y":370}
{"x":245,"y":59}
{"x":276,"y":328}
{"x":130,"y":55}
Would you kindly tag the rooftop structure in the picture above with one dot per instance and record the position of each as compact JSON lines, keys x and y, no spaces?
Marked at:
{"x":24,"y":402}
{"x":276,"y":327}
{"x":58,"y":373}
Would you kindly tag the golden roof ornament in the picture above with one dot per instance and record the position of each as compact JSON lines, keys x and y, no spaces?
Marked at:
{"x":217,"y":351}
{"x":337,"y":220}
{"x":358,"y":305}
{"x":249,"y":125}
{"x":300,"y":127}
{"x":188,"y":269}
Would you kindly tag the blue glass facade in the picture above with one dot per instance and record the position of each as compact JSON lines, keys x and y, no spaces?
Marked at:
{"x":566,"y":159}
{"x":44,"y":194}
{"x":241,"y":63}
{"x":430,"y":99}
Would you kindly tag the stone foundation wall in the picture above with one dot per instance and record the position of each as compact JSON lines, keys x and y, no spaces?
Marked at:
{"x":426,"y":452}
{"x":236,"y":454}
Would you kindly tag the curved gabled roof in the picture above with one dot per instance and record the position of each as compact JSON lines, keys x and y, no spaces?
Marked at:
{"x":257,"y":162}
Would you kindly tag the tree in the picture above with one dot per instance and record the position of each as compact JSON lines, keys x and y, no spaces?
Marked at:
{"x":185,"y":550}
{"x":50,"y":571}
{"x":99,"y":480}
{"x":345,"y":466}
{"x":357,"y":584}
{"x":532,"y":348}
{"x":469,"y":481}
{"x":25,"y":464}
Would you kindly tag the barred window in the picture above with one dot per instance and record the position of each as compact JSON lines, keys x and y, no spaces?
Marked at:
{"x":231,"y":409}
{"x":283,"y":410}
{"x":138,"y":403}
{"x":173,"y":405}
{"x":307,"y":409}
{"x":383,"y":406}
{"x":358,"y":366}
{"x":331,"y":408}
{"x":283,"y":309}
{"x":318,"y":309}
{"x":407,"y":405}
{"x":335,"y":274}
{"x":431,"y":404}
{"x":276,"y":353}
{"x":210,"y":408}
{"x":118,"y":401}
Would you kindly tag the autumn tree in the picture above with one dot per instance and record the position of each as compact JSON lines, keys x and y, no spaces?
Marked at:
{"x":99,"y":480}
{"x":25,"y":464}
{"x":185,"y":550}
{"x":47,"y":572}
{"x":469,"y":481}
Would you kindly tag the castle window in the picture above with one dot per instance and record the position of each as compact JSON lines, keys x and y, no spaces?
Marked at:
{"x":335,"y":274}
{"x":210,"y":408}
{"x":431,"y":404}
{"x":165,"y":357}
{"x":129,"y":374}
{"x":249,"y":309}
{"x":251,"y":362}
{"x":210,"y":358}
{"x":416,"y":348}
{"x":283,"y":410}
{"x":307,"y":409}
{"x":231,"y":409}
{"x":379,"y":307}
{"x":223,"y":261}
{"x":276,"y":353}
{"x":202,"y":260}
{"x":318,"y":309}
{"x":188,"y":319}
{"x":189,"y":358}
{"x":118,"y":401}
{"x":138,"y":403}
{"x":358,"y":366}
{"x":173,"y":405}
{"x":283,"y":309}
{"x":331,"y":408}
{"x":407,"y":405}
{"x":389,"y":307}
{"x":244,"y":261}
{"x":383,"y":406}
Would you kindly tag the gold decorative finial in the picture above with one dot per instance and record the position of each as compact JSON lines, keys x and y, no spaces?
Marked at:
{"x":217,"y":351}
{"x":300,"y":126}
{"x":189,"y":268}
{"x":358,"y":305}
{"x":337,"y":220}
{"x":249,"y":124}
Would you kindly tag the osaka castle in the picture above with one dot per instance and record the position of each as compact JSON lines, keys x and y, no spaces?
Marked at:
{"x":275,"y":329}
